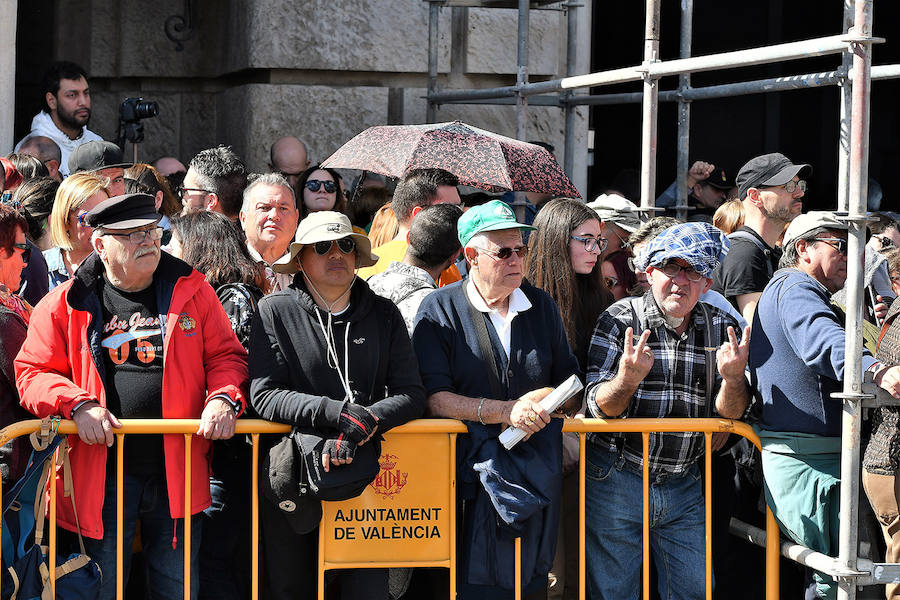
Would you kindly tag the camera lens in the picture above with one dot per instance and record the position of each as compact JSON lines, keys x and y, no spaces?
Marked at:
{"x":146,"y":109}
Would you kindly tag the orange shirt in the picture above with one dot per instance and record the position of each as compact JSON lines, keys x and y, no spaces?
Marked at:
{"x":395,"y":250}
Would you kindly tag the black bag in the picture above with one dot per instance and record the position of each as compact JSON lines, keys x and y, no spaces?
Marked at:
{"x":293,"y":478}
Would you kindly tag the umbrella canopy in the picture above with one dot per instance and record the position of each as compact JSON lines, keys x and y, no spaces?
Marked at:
{"x":479,"y":158}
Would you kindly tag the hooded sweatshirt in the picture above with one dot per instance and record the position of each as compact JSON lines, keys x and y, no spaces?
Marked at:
{"x":42,"y":124}
{"x":293,"y":379}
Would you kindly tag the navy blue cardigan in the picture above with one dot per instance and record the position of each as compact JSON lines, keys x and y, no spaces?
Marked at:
{"x":446,"y":346}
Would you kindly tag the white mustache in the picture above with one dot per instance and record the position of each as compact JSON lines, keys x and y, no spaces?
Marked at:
{"x":142,"y":251}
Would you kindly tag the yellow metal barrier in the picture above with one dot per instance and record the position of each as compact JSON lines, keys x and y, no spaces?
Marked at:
{"x":447,"y":427}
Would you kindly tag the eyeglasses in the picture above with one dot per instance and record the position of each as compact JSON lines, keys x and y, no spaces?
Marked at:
{"x":182,"y":191}
{"x":81,"y":218}
{"x":313,"y":185}
{"x":611,"y":282}
{"x":886,"y":242}
{"x":504,"y":253}
{"x":791,"y":186}
{"x":26,"y":251}
{"x":345,"y":245}
{"x":836,"y":243}
{"x":672,"y":269}
{"x":591,"y":244}
{"x":138,"y":237}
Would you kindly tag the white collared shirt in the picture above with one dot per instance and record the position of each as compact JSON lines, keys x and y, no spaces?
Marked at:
{"x":518,"y":302}
{"x":277,"y":281}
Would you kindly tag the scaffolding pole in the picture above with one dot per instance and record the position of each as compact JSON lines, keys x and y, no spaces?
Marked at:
{"x":834,"y":44}
{"x":649,"y":107}
{"x":522,"y":70}
{"x":852,"y":390}
{"x":843,"y":192}
{"x":571,"y":51}
{"x":684,"y":113}
{"x":434,"y":14}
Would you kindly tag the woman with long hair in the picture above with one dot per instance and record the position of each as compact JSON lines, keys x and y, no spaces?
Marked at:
{"x":319,"y":188}
{"x":564,"y":260}
{"x":210,"y":243}
{"x":70,"y":235}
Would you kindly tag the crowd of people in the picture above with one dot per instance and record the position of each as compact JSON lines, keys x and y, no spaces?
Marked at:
{"x":207,"y":292}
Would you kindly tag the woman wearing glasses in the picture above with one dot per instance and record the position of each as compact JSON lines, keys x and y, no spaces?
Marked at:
{"x":564,"y":260}
{"x":14,"y":255}
{"x":70,"y":235}
{"x":14,"y":316}
{"x":320,"y":189}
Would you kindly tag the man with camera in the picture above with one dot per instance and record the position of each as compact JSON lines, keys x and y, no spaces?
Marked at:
{"x":66,"y":112}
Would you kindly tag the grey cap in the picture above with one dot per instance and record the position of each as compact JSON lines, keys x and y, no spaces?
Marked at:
{"x":808,"y":222}
{"x":616,"y":209}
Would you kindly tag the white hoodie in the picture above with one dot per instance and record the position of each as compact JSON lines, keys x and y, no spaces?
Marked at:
{"x":43,"y":125}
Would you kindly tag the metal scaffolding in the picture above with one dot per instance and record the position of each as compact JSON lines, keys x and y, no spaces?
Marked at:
{"x":854,"y":77}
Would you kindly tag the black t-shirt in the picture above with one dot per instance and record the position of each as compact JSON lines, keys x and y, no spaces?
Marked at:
{"x":746,"y":268}
{"x":132,"y":343}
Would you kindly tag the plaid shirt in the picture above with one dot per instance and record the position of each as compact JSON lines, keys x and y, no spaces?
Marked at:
{"x":674,"y":387}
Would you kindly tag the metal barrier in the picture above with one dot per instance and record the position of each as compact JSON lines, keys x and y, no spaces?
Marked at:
{"x":582,"y":427}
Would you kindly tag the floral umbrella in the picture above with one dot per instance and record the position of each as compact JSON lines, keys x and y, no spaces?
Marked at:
{"x":479,"y":158}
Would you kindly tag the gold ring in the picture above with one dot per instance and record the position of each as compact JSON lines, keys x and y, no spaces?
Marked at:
{"x":532,"y":417}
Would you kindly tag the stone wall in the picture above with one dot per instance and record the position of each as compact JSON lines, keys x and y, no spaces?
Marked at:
{"x":254,"y":70}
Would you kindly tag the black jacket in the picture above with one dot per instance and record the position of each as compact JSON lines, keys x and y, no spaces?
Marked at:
{"x":291,"y":380}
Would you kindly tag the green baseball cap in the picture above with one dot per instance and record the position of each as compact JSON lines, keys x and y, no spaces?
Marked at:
{"x":490,"y":216}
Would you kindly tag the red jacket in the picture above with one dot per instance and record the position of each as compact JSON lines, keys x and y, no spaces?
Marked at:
{"x":60,"y":365}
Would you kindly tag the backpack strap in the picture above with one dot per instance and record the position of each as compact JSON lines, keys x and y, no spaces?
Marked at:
{"x":749,"y":237}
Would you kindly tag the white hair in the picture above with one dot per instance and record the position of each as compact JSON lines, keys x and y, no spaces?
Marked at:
{"x":478,"y":241}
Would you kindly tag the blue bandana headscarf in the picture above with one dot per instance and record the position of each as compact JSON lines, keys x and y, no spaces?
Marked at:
{"x":699,"y":244}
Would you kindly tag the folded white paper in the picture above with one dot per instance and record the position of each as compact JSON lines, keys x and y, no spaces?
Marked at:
{"x":571,"y":386}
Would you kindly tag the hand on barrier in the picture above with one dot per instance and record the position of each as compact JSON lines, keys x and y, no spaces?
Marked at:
{"x":637,"y":359}
{"x":95,"y":423}
{"x":357,"y":423}
{"x":337,"y":451}
{"x":217,"y":420}
{"x":731,"y":357}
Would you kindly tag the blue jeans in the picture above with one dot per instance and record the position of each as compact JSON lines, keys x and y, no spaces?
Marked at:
{"x":162,"y":538}
{"x":614,"y":542}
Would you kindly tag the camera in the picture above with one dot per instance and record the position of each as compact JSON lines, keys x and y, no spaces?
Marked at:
{"x":135,"y":109}
{"x":131,"y":111}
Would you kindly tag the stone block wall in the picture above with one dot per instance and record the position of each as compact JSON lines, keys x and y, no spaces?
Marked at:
{"x":254,"y":70}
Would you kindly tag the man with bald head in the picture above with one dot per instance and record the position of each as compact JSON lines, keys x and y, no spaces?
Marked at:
{"x":290,"y":157}
{"x":45,"y":150}
{"x":169,"y":165}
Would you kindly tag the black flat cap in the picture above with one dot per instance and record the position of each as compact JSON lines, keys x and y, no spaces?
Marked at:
{"x":124,"y":212}
{"x":768,"y":169}
{"x":94,"y":156}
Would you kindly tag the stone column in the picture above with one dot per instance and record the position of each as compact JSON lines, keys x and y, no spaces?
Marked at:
{"x":7,"y":74}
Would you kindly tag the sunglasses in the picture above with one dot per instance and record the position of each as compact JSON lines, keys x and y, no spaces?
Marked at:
{"x":26,"y":251}
{"x":836,"y":243}
{"x":345,"y":245}
{"x":611,"y":282}
{"x":313,"y":185}
{"x":80,"y":218}
{"x":505,"y":253}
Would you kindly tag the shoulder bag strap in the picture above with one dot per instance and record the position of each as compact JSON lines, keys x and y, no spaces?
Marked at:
{"x":487,"y":351}
{"x":710,"y":350}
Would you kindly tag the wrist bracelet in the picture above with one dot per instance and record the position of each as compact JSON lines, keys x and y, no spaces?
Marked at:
{"x":480,"y":406}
